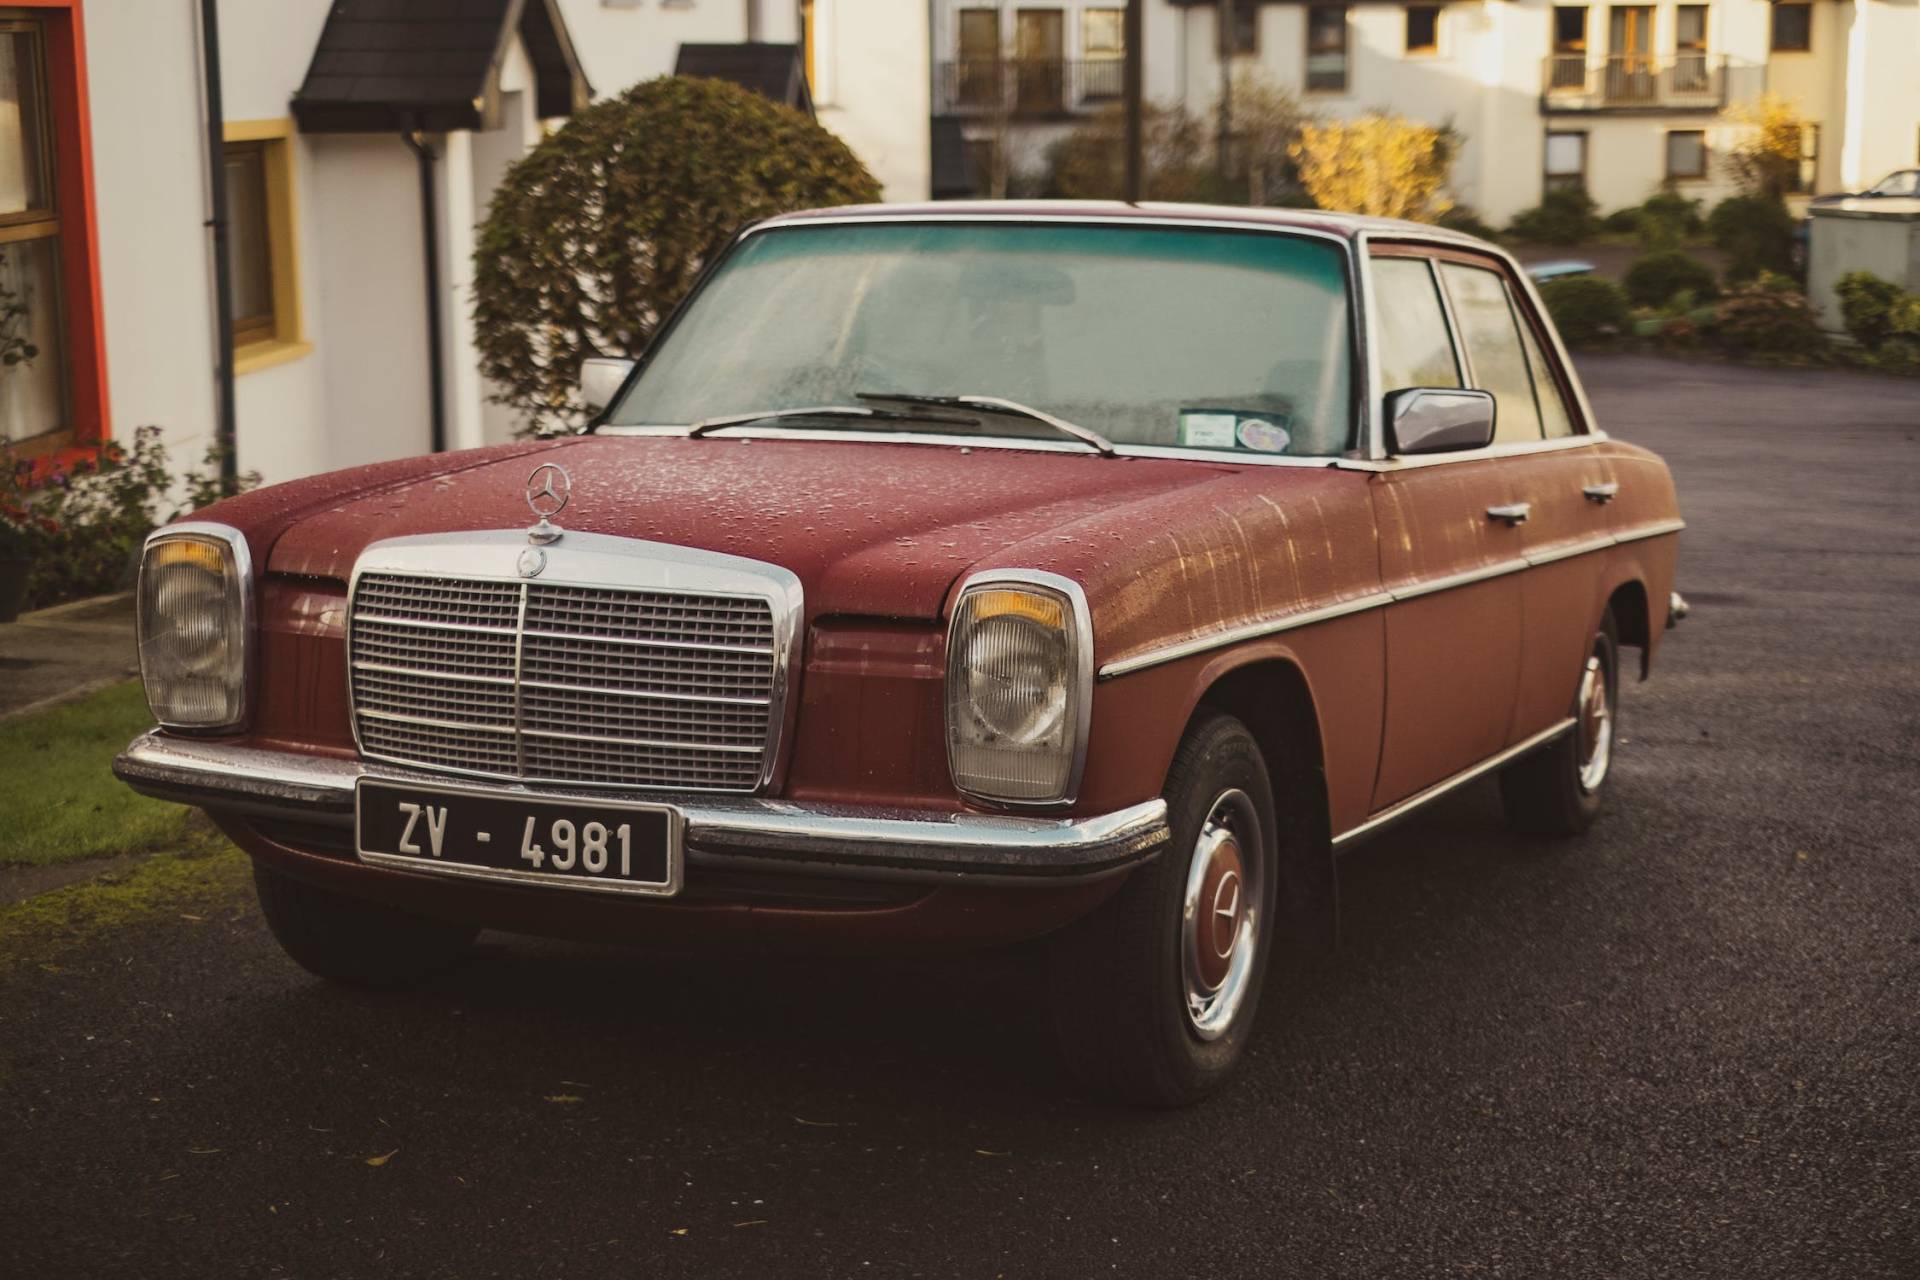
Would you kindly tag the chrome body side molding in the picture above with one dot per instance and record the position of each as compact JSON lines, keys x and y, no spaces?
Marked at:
{"x":1178,"y":649}
{"x":1403,"y":808}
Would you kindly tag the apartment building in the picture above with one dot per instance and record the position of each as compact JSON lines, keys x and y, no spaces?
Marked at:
{"x":107,"y":265}
{"x":1622,"y":98}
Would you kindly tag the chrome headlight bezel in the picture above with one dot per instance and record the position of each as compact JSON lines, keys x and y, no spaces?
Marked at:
{"x":1068,"y":740}
{"x":235,"y":623}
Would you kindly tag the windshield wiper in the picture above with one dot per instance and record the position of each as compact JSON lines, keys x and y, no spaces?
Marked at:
{"x":706,"y":425}
{"x":1011,"y":408}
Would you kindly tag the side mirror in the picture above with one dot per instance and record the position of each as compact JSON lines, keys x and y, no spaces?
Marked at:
{"x":1439,"y":420}
{"x":600,"y":380}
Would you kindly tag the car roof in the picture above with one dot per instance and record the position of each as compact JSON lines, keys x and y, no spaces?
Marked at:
{"x":1347,"y":226}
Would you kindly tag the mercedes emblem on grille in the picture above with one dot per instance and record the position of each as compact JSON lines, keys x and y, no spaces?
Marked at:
{"x":548,"y":489}
{"x":532,"y":561}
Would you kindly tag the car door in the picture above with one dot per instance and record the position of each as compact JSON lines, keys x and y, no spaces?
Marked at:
{"x":1453,"y":630}
{"x":1554,"y":486}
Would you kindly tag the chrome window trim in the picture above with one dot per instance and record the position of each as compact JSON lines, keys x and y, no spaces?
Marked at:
{"x":236,"y":544}
{"x":1178,"y":649}
{"x":1082,"y":644}
{"x":1364,"y":239}
{"x":592,"y":561}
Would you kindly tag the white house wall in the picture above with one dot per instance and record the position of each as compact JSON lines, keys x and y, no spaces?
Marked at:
{"x":873,"y":88}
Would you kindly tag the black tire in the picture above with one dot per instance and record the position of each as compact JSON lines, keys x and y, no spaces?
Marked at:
{"x":1545,"y":794}
{"x":351,"y":941}
{"x":1116,"y":983}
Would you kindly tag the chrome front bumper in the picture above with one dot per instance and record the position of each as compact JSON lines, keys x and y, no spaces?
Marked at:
{"x":722,"y":834}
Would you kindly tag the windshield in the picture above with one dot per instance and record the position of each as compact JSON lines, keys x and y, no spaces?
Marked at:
{"x":1237,"y":341}
{"x":1904,"y":183}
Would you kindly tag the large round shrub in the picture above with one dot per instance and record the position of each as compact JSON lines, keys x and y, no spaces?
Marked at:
{"x":1756,"y":232}
{"x":598,"y":232}
{"x":1653,"y":281}
{"x":1565,"y":215}
{"x":1587,"y":310}
{"x":1868,"y":306}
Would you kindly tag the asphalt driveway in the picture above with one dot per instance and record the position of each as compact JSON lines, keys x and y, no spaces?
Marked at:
{"x":1688,"y":1045}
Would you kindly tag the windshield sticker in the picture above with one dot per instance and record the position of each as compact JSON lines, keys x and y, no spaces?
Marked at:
{"x":1263,"y":436}
{"x":1206,"y":429}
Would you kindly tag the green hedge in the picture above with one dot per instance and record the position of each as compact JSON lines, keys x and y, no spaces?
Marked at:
{"x":1653,"y":281}
{"x":1587,"y":310}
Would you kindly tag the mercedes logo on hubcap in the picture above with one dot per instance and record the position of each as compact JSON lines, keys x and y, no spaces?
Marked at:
{"x":1226,"y":914}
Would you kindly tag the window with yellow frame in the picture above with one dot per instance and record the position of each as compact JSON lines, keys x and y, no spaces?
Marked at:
{"x":262,"y":258}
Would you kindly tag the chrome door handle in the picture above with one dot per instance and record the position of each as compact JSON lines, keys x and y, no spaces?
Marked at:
{"x":1602,"y":493}
{"x":1514,"y":513}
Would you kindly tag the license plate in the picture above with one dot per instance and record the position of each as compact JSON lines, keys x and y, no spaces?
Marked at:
{"x":493,"y":835}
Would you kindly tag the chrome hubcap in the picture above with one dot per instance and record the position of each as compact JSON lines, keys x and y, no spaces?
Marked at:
{"x":1220,"y":918}
{"x":1595,"y":717}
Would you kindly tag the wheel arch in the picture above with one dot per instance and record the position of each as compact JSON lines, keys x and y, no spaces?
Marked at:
{"x":1271,"y":694}
{"x":1633,"y":616}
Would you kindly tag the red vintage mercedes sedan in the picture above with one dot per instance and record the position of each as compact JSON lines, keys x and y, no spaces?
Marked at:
{"x":945,"y":575}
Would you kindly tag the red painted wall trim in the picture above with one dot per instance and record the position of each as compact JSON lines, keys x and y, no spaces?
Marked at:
{"x":66,"y":51}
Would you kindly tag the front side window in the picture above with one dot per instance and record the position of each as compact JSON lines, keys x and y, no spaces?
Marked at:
{"x":33,"y":399}
{"x":1490,"y":332}
{"x":1148,"y":335}
{"x":1416,"y":348}
{"x":1327,"y":47}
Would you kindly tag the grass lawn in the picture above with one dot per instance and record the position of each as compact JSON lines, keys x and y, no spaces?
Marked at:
{"x":57,"y":789}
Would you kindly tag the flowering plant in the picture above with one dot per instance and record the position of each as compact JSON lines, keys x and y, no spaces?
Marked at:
{"x":82,"y":522}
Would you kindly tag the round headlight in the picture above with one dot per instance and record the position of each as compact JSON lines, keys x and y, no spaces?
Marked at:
{"x":1015,"y":672}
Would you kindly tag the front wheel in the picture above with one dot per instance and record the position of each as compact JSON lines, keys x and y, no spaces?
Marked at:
{"x":1154,"y":994}
{"x":350,"y":941}
{"x":1556,"y":791}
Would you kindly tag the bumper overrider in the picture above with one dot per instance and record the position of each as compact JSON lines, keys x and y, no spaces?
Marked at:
{"x":721,"y":835}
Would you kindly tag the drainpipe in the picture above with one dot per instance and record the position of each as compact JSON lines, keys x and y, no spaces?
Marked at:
{"x":430,"y":229}
{"x":223,"y":431}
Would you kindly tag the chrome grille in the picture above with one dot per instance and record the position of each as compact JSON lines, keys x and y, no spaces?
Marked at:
{"x":558,"y":683}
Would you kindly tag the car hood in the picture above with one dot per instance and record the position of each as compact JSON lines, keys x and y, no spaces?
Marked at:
{"x":869,"y":527}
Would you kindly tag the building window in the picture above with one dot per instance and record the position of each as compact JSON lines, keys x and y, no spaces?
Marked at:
{"x":1690,"y":28}
{"x":1103,"y":46}
{"x":1423,"y":28}
{"x":263,"y":274}
{"x":1806,"y":171}
{"x":1327,"y":47}
{"x":1566,"y":161}
{"x":1568,"y":68}
{"x":33,"y":382}
{"x":1792,"y":28}
{"x":1241,"y":35}
{"x":1686,"y":155}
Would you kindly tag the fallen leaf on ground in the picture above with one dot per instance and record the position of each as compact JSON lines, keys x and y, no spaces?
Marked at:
{"x":678,"y":1231}
{"x":377,"y":1161}
{"x":982,"y":1151}
{"x":564,"y":1097}
{"x":817,"y":1124}
{"x":752,"y":1222}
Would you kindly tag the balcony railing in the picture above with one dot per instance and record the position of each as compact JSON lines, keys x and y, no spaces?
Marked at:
{"x":1639,"y":82}
{"x":1034,"y":88}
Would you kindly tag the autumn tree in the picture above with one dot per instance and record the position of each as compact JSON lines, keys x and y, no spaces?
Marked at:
{"x":1764,"y":161}
{"x":1379,"y":164}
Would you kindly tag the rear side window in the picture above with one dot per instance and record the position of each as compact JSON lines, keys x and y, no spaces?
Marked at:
{"x":1553,"y":406}
{"x":1491,"y":334}
{"x":1415,"y":347}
